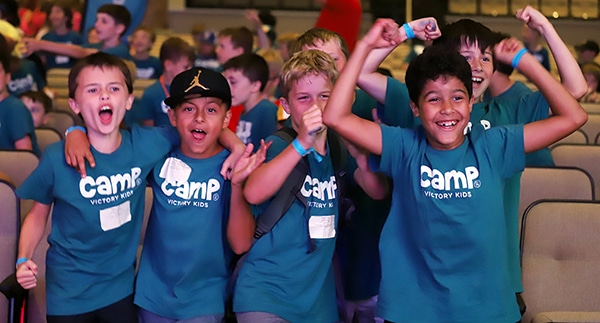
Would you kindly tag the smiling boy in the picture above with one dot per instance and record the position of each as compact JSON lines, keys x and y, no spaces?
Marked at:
{"x":444,"y":245}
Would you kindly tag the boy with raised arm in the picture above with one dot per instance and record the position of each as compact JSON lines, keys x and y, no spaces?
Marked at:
{"x":195,"y":212}
{"x":444,"y":245}
{"x":287,"y":275}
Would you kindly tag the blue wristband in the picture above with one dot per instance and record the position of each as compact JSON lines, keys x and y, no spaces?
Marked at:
{"x":71,"y":128}
{"x":20,"y":261}
{"x":517,"y":58}
{"x":299,"y":149}
{"x":410,"y":34}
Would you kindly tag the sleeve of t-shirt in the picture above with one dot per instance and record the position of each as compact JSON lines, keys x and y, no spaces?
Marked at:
{"x":39,"y":185}
{"x":396,"y":110}
{"x":507,"y":146}
{"x":145,"y":108}
{"x":393,"y":144}
{"x":21,"y":123}
{"x":153,"y":143}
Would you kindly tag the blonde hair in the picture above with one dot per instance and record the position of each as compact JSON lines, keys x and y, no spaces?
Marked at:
{"x":316,"y":36}
{"x":304,"y":63}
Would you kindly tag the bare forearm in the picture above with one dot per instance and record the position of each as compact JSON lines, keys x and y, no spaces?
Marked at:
{"x":266,"y":180}
{"x":568,"y":69}
{"x":64,"y":49}
{"x":241,"y":225}
{"x":33,"y":230}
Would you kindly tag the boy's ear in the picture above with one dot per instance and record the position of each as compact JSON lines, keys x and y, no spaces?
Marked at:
{"x":227,"y":119}
{"x":415,"y":109}
{"x":172,"y":117}
{"x":120,"y":29}
{"x":284,"y":105}
{"x":256,"y":86}
{"x":130,"y":101}
{"x":74,"y":106}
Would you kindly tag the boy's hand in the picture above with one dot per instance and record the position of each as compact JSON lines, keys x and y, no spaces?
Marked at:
{"x":361,"y":155}
{"x":77,"y":150}
{"x":425,"y":28}
{"x":27,"y":274}
{"x":249,"y":162}
{"x":236,"y":153}
{"x":30,"y":45}
{"x":384,"y":33}
{"x":252,"y":17}
{"x":533,"y":18}
{"x":312,"y":125}
{"x":506,"y":50}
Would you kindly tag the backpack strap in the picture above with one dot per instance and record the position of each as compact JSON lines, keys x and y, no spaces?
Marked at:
{"x":286,"y":194}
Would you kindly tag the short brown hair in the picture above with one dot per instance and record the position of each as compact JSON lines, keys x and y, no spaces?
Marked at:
{"x":174,"y":48}
{"x":119,"y":13}
{"x":39,"y":96}
{"x":101,"y":60}
{"x":240,"y":37}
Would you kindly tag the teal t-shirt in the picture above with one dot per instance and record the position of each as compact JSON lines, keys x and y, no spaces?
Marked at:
{"x":121,"y":50}
{"x":149,"y":68}
{"x":16,"y":123}
{"x":61,"y":61}
{"x":540,"y":158}
{"x":444,"y":254}
{"x":258,"y":123}
{"x":96,"y":220}
{"x":505,"y":111}
{"x":153,"y":104}
{"x":26,"y":78}
{"x":279,"y":275}
{"x":185,"y":263}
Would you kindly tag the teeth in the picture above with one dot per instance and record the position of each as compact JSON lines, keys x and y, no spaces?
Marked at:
{"x":105,"y":108}
{"x":446,"y":123}
{"x":477,"y":79}
{"x":198,"y":130}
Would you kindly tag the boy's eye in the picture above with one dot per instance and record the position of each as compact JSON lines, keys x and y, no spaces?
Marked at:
{"x":433,"y":99}
{"x":302,"y":98}
{"x":92,"y":90}
{"x":188,"y":108}
{"x":458,"y":98}
{"x":115,"y":88}
{"x":325,"y":96}
{"x":211,"y":110}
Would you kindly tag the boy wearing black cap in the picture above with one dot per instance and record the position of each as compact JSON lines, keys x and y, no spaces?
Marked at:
{"x":191,"y":234}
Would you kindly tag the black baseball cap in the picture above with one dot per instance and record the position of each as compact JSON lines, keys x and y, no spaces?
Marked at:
{"x":588,"y":45}
{"x":198,"y":82}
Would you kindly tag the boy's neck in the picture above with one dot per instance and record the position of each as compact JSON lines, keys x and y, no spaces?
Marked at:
{"x":111,"y":42}
{"x":253,"y":100}
{"x":3,"y":94}
{"x":105,"y":144}
{"x":61,"y":30}
{"x":167,"y":78}
{"x":141,"y":55}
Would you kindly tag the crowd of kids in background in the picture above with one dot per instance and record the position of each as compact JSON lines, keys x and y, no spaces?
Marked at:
{"x":376,"y":229}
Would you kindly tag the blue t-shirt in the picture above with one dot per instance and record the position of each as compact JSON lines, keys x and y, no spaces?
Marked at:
{"x":16,"y":123}
{"x":542,"y":56}
{"x":209,"y":62}
{"x":444,"y":254}
{"x":258,"y":123}
{"x":187,"y":227}
{"x":507,"y":111}
{"x":279,"y":275}
{"x":153,"y":105}
{"x":149,"y":68}
{"x":120,"y":50}
{"x":26,"y":78}
{"x":96,"y":220}
{"x":540,"y":158}
{"x":61,"y":61}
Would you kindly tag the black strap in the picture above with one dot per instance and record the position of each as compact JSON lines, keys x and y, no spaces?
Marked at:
{"x":288,"y":192}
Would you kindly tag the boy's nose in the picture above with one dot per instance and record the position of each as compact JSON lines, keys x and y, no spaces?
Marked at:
{"x":104,"y":95}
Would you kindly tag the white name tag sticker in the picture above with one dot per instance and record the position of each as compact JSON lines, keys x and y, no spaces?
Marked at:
{"x":61,"y":59}
{"x":322,"y":227}
{"x":115,"y":216}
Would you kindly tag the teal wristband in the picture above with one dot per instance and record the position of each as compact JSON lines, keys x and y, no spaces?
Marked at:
{"x":410,"y":34}
{"x":20,"y":261}
{"x":517,"y":58}
{"x":71,"y":128}
{"x":299,"y":149}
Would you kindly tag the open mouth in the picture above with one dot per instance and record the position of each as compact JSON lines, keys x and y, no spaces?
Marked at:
{"x":198,"y":134}
{"x":477,"y":80}
{"x":447,"y":124}
{"x":106,"y":114}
